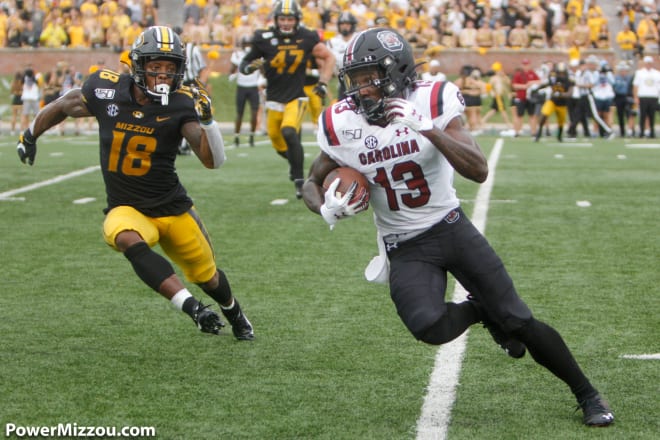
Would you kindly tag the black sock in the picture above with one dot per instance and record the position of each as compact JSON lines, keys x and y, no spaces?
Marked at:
{"x":548,"y":349}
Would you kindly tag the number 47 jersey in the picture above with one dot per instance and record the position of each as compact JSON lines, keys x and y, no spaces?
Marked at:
{"x":410,"y":180}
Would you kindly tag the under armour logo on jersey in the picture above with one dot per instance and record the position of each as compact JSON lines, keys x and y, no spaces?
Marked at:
{"x":390,"y":246}
{"x":402,"y":131}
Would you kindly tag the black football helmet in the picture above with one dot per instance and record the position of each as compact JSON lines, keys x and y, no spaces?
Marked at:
{"x":157,"y":43}
{"x":346,"y":18}
{"x":288,"y":8}
{"x":386,"y":51}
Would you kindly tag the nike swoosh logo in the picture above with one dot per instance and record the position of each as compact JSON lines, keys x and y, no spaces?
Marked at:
{"x":162,"y":118}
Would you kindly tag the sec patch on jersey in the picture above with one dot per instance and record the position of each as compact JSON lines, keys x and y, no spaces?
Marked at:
{"x":347,"y":176}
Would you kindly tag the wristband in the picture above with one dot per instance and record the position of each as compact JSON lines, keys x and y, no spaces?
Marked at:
{"x":216,"y":143}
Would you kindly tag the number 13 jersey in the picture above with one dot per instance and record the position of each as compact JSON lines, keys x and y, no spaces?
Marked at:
{"x":410,"y":180}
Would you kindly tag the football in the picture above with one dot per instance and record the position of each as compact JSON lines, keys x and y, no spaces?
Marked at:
{"x":347,"y":176}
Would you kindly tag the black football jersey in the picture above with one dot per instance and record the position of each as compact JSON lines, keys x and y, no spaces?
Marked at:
{"x":559,"y":85}
{"x":139,"y":144}
{"x":285,"y":61}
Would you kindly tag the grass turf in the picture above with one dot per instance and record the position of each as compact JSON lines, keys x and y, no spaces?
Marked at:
{"x":84,"y":341}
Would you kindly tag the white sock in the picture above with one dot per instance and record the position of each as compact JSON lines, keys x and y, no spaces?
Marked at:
{"x":229,"y":307}
{"x":180,"y":297}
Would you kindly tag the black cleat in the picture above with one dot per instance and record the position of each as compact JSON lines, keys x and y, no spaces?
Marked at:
{"x":207,"y":320}
{"x":298,"y":183}
{"x":252,"y":140}
{"x":240,"y":326}
{"x":596,"y":412}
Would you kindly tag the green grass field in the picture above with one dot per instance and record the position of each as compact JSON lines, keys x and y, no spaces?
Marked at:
{"x":85,"y":342}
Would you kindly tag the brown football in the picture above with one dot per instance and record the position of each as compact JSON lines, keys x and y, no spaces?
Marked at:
{"x":347,"y":176}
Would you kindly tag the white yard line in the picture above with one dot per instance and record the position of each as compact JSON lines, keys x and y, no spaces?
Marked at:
{"x":57,"y":179}
{"x":441,"y":392}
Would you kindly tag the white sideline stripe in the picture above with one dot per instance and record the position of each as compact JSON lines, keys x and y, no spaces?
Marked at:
{"x":54,"y":180}
{"x":441,"y":392}
{"x":644,"y":357}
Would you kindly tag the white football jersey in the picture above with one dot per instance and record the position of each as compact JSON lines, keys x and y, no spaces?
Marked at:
{"x":410,"y":180}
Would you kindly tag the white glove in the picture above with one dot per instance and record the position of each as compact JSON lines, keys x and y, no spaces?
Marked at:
{"x":404,"y":112}
{"x":336,"y":208}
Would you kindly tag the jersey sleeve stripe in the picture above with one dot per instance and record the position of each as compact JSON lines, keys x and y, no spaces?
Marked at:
{"x":328,"y":128}
{"x":437,"y":103}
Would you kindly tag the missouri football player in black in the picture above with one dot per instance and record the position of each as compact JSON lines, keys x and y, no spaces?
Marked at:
{"x":283,"y":51}
{"x":142,"y":118}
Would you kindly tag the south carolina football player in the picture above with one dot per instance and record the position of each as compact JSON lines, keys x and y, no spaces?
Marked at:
{"x":407,"y":137}
{"x":283,"y":51}
{"x":142,"y":117}
{"x":346,"y":25}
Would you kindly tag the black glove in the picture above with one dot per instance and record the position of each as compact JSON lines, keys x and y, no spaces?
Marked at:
{"x":27,"y":147}
{"x":321,"y":89}
{"x":253,"y":66}
{"x":202,"y":100}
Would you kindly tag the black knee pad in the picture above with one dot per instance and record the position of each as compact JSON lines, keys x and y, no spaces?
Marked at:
{"x":152,"y":268}
{"x":290,"y":135}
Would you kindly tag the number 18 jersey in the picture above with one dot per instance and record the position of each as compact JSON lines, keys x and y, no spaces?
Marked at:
{"x":139,"y":144}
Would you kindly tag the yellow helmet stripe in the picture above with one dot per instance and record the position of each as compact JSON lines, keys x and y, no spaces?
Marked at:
{"x":287,"y":7}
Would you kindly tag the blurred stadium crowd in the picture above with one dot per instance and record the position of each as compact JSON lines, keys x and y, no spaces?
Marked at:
{"x":428,"y":24}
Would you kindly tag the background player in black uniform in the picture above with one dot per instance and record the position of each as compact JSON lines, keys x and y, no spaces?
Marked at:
{"x":283,"y":50}
{"x":560,"y":92}
{"x":142,"y":117}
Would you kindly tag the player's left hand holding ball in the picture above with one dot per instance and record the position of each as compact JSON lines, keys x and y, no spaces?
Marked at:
{"x":336,"y":208}
{"x":27,"y":147}
{"x":398,"y":110}
{"x":203,"y":105}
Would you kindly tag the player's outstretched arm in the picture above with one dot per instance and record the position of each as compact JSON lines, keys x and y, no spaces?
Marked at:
{"x":312,"y":190}
{"x":69,"y":105}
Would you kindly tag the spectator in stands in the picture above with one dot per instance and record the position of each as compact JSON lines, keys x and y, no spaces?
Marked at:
{"x":131,"y":33}
{"x":14,"y":26}
{"x":561,"y":38}
{"x":500,"y":35}
{"x":518,"y":36}
{"x":467,"y":37}
{"x":537,"y":36}
{"x":76,"y":32}
{"x":89,"y":12}
{"x":54,"y":34}
{"x":581,"y":34}
{"x":29,"y":37}
{"x":603,"y":40}
{"x":647,"y":34}
{"x":626,"y":39}
{"x":484,"y":36}
{"x":595,"y":22}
